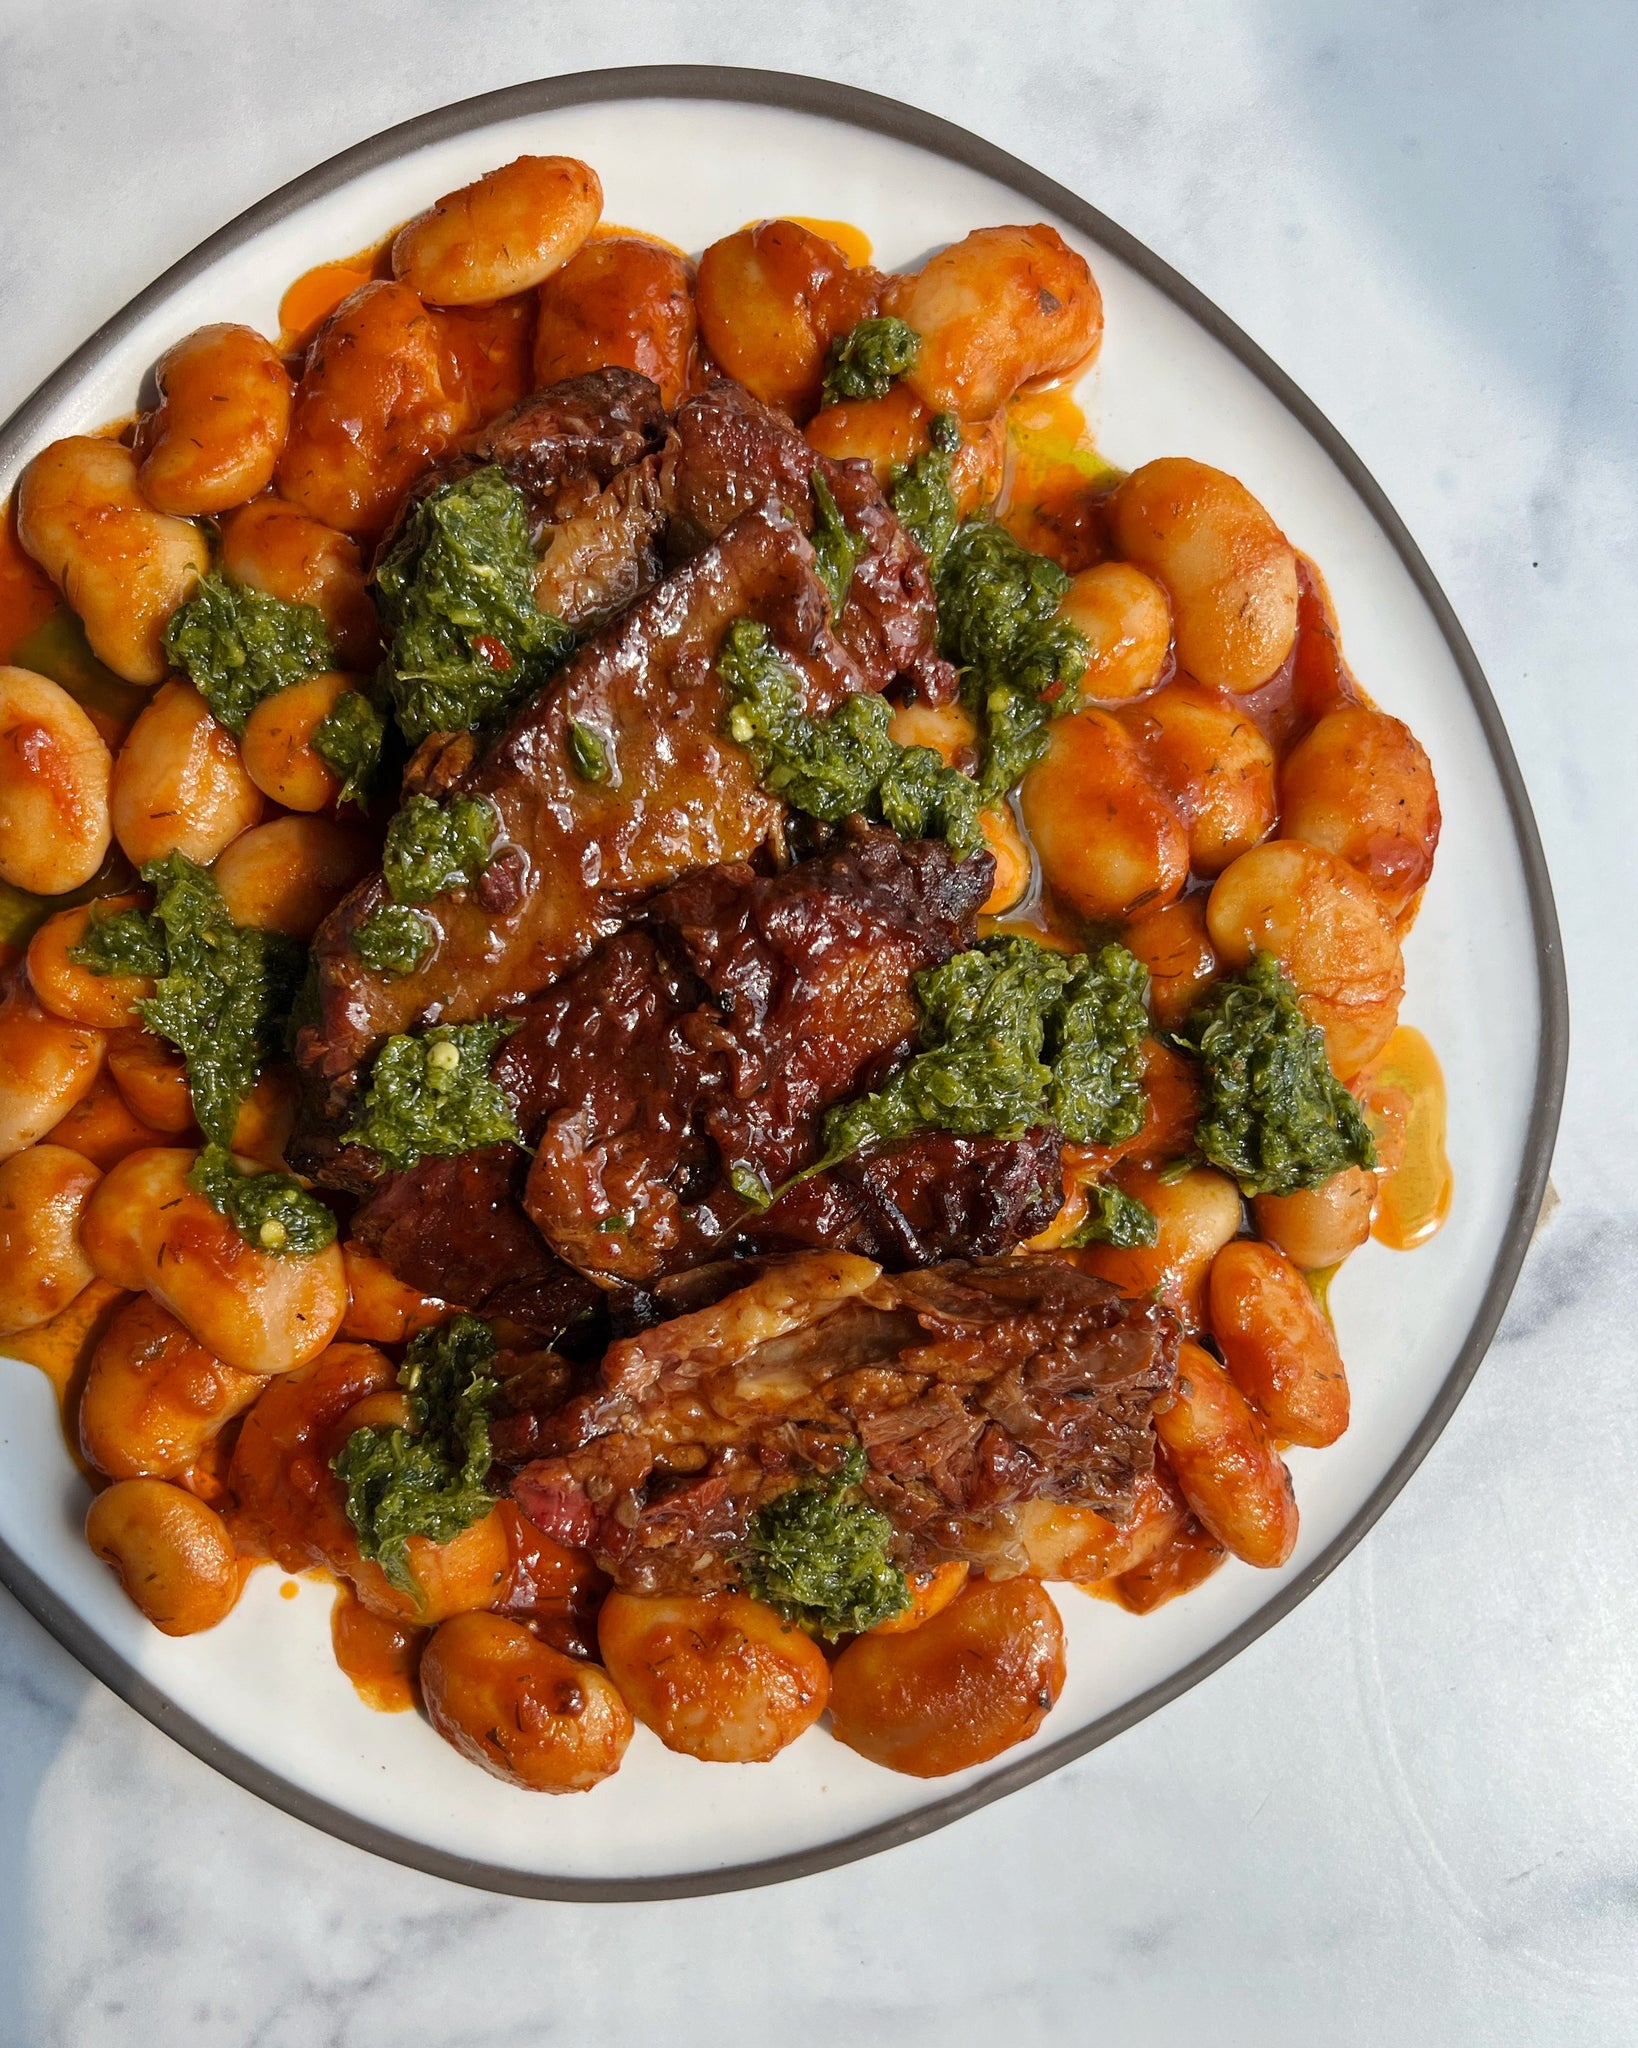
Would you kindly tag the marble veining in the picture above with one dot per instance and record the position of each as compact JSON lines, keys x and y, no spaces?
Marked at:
{"x":1409,"y":1812}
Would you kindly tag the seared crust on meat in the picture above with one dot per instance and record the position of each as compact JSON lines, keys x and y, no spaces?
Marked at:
{"x":574,"y":856}
{"x":935,"y":1196}
{"x":732,"y":453}
{"x":972,"y":1386}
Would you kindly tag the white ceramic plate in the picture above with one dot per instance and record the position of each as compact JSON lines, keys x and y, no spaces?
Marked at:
{"x":690,"y":154}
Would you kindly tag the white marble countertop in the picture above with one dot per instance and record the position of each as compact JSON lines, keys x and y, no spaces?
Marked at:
{"x":1411,"y":1812}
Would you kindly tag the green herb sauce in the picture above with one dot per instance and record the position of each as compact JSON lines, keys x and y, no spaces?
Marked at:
{"x":864,"y":362}
{"x":457,"y":592}
{"x":237,"y":646}
{"x":430,"y":1095}
{"x":1272,"y":1112}
{"x":1012,"y":1035}
{"x":121,"y":942}
{"x":348,"y":739}
{"x":429,"y":1479}
{"x":997,"y":621}
{"x":271,"y":1211}
{"x":1116,"y":1218}
{"x":393,"y":940}
{"x":587,"y":752}
{"x":222,"y":994}
{"x":820,"y":1555}
{"x":844,"y":763}
{"x":432,"y":846}
{"x":921,"y":494}
{"x":836,"y":551}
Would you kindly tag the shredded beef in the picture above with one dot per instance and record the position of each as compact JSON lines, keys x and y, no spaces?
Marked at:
{"x":972,"y":1386}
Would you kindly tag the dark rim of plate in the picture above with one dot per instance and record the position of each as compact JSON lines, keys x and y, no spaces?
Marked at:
{"x":851,"y":106}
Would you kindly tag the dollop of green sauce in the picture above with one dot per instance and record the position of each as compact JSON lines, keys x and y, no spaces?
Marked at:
{"x":348,"y":739}
{"x":429,"y":1479}
{"x":222,"y":989}
{"x":1012,"y":1035}
{"x":120,"y":942}
{"x":430,"y":1095}
{"x":237,"y":645}
{"x":845,"y":762}
{"x":1272,"y":1113}
{"x":457,"y":591}
{"x":1020,"y":662}
{"x":864,"y":362}
{"x":920,"y":491}
{"x":820,"y":1555}
{"x":1116,"y":1218}
{"x":836,"y":550}
{"x":432,"y":847}
{"x":393,"y":940}
{"x":271,"y":1211}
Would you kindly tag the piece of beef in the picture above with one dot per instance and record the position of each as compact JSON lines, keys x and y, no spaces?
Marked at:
{"x":587,"y":455}
{"x":575,"y":854}
{"x":733,"y":453}
{"x":701,"y":1047}
{"x":935,"y":1196}
{"x":972,"y":1386}
{"x":565,"y":442}
{"x":456,"y":1229}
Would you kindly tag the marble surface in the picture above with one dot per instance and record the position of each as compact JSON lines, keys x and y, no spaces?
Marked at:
{"x":1411,"y":1812}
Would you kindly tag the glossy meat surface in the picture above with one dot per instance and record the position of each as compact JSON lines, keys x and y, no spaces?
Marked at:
{"x":705,"y":1043}
{"x":456,"y":1228}
{"x":972,"y":1386}
{"x":573,"y":855}
{"x":935,"y":1196}
{"x":733,"y":453}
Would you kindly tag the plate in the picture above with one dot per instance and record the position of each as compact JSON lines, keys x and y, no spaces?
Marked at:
{"x":260,"y":1697}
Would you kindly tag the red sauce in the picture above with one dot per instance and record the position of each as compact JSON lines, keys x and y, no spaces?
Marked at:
{"x":380,"y":1656}
{"x":62,"y":1350}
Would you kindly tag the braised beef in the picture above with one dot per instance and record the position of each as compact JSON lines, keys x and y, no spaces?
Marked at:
{"x":733,"y":453}
{"x":456,"y":1229}
{"x":689,"y":1062}
{"x":971,"y":1386}
{"x":575,"y":855}
{"x":935,"y":1196}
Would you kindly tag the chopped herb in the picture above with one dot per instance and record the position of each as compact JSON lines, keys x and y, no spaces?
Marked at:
{"x":614,"y":1226}
{"x":1097,"y":1095}
{"x":434,"y":846}
{"x":587,"y":752}
{"x":998,"y":621}
{"x":844,"y":763}
{"x":393,"y":940}
{"x":457,"y":589}
{"x":836,"y":552}
{"x":121,"y":942}
{"x":348,"y":739}
{"x":224,"y":989}
{"x":1116,"y":1218}
{"x":237,"y":646}
{"x":271,"y":1211}
{"x":920,"y":493}
{"x":429,"y":1479}
{"x":820,"y":1555}
{"x":864,"y":362}
{"x":1012,"y":1034}
{"x":750,"y":1185}
{"x":430,"y":1095}
{"x":1272,"y":1112}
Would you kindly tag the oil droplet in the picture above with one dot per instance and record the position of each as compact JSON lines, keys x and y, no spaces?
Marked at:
{"x":1404,"y":1100}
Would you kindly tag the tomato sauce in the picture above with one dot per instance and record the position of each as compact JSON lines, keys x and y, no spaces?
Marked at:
{"x":380,"y":1656}
{"x":62,"y":1349}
